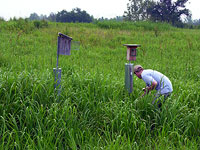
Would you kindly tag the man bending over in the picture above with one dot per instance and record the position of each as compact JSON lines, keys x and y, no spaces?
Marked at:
{"x":154,"y":80}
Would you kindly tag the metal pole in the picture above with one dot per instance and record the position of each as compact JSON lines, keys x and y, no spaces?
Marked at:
{"x":57,"y":73}
{"x":58,"y":47}
{"x":129,"y":77}
{"x":57,"y":84}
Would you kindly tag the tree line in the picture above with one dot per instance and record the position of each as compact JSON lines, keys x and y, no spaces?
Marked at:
{"x":76,"y":15}
{"x":170,"y":11}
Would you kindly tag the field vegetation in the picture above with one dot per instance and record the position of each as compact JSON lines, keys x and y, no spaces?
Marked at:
{"x":94,"y":110}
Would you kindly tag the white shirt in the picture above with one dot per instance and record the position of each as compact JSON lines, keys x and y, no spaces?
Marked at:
{"x":164,"y":85}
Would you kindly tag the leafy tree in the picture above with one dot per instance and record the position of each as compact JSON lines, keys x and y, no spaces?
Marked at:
{"x":62,"y":16}
{"x":117,"y":18}
{"x":34,"y":16}
{"x":76,"y":15}
{"x":168,"y":11}
{"x":52,"y":17}
{"x":137,"y":10}
{"x":43,"y":17}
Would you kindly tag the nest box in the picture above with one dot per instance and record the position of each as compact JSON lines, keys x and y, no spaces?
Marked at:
{"x":64,"y":44}
{"x":131,"y":51}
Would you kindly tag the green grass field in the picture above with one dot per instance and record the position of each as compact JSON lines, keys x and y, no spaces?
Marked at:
{"x":94,"y":111}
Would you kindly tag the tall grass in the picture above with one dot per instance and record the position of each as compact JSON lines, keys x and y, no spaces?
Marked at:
{"x":142,"y":25}
{"x":94,"y":111}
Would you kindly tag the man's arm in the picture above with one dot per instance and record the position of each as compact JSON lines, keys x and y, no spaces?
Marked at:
{"x":152,"y":87}
{"x":149,"y":88}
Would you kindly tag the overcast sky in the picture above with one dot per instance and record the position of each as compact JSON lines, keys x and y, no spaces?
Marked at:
{"x":97,"y":8}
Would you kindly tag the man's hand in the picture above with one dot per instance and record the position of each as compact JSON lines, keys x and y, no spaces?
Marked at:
{"x":147,"y":89}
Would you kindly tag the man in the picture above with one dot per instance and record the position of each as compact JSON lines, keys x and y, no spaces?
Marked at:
{"x":154,"y":80}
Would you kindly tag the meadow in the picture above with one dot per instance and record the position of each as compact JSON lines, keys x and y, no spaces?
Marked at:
{"x":94,"y":110}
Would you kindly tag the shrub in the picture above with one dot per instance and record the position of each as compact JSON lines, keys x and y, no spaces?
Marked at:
{"x":22,"y":25}
{"x":40,"y":24}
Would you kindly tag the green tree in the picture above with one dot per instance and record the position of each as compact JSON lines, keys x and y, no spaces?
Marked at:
{"x":62,"y":16}
{"x":34,"y":16}
{"x":76,"y":15}
{"x":137,"y":10}
{"x":168,"y":11}
{"x":52,"y":17}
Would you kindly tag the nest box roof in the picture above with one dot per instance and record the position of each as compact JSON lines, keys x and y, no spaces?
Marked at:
{"x":64,"y":36}
{"x":132,"y":45}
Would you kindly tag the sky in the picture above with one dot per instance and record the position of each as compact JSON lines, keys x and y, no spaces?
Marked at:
{"x":96,"y":8}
